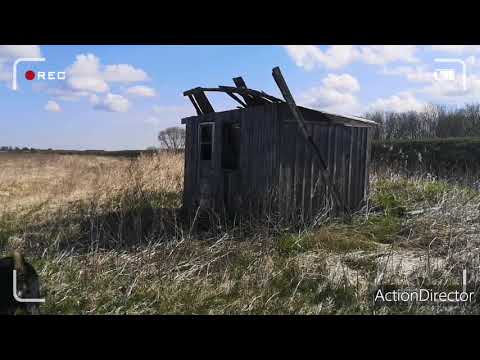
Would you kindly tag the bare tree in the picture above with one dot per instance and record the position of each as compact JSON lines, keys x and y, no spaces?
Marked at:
{"x":172,"y":138}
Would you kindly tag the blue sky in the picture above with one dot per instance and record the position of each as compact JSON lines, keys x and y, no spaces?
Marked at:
{"x":119,"y":97}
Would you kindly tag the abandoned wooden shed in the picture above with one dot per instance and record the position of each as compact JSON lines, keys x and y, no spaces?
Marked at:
{"x":258,"y":157}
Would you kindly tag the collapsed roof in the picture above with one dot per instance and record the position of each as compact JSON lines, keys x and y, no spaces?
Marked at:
{"x":246,"y":97}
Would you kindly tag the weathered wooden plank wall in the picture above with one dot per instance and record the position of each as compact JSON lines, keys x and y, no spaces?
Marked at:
{"x":258,"y":155}
{"x":277,"y":167}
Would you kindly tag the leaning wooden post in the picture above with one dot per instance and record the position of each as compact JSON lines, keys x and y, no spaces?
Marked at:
{"x":326,"y":178}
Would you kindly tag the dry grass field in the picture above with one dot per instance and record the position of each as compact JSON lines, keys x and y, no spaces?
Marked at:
{"x":105,"y":236}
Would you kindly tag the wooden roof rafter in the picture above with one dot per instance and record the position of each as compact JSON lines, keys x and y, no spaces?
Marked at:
{"x":244,"y":96}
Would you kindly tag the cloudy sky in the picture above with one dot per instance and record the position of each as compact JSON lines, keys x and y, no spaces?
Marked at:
{"x":119,"y":97}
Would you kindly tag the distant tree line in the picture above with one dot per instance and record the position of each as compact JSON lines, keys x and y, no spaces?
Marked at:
{"x":119,"y":153}
{"x":435,"y":121}
{"x":19,"y":149}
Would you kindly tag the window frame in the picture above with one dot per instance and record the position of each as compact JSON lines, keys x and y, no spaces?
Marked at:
{"x":200,"y":143}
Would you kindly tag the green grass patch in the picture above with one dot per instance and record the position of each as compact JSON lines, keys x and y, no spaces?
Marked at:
{"x":397,"y":196}
{"x":380,"y":229}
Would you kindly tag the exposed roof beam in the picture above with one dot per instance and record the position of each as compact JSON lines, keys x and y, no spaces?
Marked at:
{"x":195,"y":105}
{"x":240,"y":91}
{"x":203,"y":102}
{"x":239,"y":82}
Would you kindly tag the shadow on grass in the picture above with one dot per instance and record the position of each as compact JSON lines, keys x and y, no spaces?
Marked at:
{"x":83,"y":227}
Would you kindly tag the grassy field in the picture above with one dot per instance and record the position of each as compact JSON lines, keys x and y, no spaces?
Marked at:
{"x":105,"y":236}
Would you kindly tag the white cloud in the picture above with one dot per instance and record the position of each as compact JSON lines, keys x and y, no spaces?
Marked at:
{"x":84,"y":74}
{"x":330,"y":100}
{"x":87,"y":74}
{"x":335,"y":95}
{"x":404,"y":101}
{"x":343,"y":83}
{"x":384,"y":54}
{"x":12,"y":52}
{"x":87,"y":77}
{"x":457,"y":49}
{"x":5,"y":74}
{"x":52,"y":106}
{"x":9,"y":53}
{"x":124,"y":73}
{"x":311,"y":56}
{"x":140,"y":90}
{"x":111,"y":102}
{"x":66,"y":93}
{"x":417,"y":74}
{"x":337,"y":56}
{"x":454,"y":91}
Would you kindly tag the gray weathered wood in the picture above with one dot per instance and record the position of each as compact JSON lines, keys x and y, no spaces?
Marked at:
{"x":298,"y":116}
{"x":279,"y":168}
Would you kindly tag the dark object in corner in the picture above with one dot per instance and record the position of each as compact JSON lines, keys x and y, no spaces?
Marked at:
{"x":28,"y":285}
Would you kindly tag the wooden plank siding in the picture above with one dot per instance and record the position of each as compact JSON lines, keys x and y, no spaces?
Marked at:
{"x":278,"y":171}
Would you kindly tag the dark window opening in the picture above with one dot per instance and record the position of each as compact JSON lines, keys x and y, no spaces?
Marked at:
{"x":231,"y":146}
{"x":206,"y":141}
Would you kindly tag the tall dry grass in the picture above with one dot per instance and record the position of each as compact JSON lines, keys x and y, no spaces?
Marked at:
{"x":106,"y":238}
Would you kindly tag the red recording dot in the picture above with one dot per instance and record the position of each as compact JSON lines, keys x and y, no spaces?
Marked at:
{"x":29,"y":75}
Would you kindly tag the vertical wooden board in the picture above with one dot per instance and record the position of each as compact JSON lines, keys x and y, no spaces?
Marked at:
{"x":244,"y":152}
{"x":362,"y":163}
{"x":350,"y":161}
{"x":250,"y":186}
{"x":319,"y":135}
{"x":288,"y":152}
{"x":332,"y":152}
{"x":329,"y":148}
{"x":340,"y":161}
{"x":307,"y":176}
{"x":325,"y":140}
{"x":334,"y":172}
{"x":298,"y":163}
{"x":281,"y":168}
{"x":367,"y":162}
{"x":347,"y":163}
{"x":343,"y":158}
{"x":257,"y":157}
{"x":259,"y":154}
{"x":266,"y":152}
{"x":314,"y":173}
{"x":272,"y":136}
{"x":358,"y":157}
{"x":269,"y":137}
{"x":258,"y":170}
{"x":361,"y":166}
